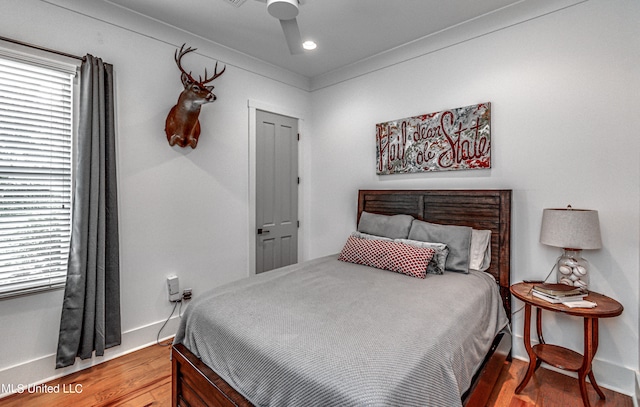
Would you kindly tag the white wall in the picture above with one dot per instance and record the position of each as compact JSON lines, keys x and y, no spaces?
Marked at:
{"x":181,"y":211}
{"x":564,"y":96}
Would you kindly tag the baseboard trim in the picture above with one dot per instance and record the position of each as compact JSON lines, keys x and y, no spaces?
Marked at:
{"x":42,"y":370}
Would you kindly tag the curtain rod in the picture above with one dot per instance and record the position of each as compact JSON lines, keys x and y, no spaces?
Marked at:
{"x":26,"y":44}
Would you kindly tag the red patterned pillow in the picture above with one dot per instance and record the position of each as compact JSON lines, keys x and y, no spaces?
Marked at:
{"x":387,"y":255}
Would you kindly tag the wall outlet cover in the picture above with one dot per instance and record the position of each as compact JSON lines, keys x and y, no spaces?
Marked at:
{"x":173,"y":286}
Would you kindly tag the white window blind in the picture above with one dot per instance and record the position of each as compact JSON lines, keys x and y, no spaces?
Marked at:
{"x":36,"y":115}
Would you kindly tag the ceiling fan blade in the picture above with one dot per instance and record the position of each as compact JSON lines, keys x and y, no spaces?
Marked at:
{"x":292,"y":35}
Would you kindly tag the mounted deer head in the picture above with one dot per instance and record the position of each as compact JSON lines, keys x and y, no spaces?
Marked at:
{"x":182,"y":125}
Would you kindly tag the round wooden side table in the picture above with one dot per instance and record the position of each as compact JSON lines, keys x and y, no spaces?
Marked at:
{"x":559,"y":356}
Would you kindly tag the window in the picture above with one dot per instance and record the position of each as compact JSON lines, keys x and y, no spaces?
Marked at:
{"x":36,"y":116}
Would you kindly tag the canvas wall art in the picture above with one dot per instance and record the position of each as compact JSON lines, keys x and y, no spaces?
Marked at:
{"x":455,"y":139}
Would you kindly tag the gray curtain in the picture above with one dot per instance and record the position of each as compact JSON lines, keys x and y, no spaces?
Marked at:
{"x":91,"y":310}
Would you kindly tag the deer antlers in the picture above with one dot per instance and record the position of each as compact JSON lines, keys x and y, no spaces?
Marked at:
{"x":182,"y":126}
{"x":178,"y":57}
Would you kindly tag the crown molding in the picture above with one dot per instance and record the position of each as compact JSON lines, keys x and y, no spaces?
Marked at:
{"x":504,"y":18}
{"x":125,"y":19}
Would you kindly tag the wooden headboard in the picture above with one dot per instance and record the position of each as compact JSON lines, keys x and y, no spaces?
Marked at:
{"x":479,"y":209}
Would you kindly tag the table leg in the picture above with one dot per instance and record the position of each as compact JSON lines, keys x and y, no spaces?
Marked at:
{"x":539,"y":326}
{"x":539,"y":332}
{"x":590,"y":347}
{"x":594,"y":349}
{"x":527,"y":344}
{"x":592,"y":378}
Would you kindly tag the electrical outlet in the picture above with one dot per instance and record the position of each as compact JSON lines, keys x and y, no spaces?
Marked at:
{"x":187,"y":293}
{"x":173,"y":286}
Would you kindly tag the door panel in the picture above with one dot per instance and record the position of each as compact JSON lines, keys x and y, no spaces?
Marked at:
{"x":276,"y":191}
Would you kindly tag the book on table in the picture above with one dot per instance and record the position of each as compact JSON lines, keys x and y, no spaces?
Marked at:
{"x":557,"y":299}
{"x":558,"y":290}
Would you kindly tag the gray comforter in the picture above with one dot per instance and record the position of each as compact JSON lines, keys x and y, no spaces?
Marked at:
{"x":329,"y":333}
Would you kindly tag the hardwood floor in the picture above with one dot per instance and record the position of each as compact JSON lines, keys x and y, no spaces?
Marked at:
{"x":547,"y":388}
{"x":143,"y":378}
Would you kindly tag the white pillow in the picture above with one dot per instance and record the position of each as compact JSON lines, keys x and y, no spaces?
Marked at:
{"x":480,"y":252}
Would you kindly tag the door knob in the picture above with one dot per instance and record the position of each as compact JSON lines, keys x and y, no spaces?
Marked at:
{"x":262,"y":231}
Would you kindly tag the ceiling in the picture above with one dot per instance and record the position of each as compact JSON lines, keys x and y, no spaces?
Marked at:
{"x":346,"y":31}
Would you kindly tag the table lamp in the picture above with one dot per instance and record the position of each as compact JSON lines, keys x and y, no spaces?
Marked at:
{"x":573,"y":230}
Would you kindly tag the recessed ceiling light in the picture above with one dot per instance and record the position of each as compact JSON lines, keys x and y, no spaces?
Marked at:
{"x":309,"y":45}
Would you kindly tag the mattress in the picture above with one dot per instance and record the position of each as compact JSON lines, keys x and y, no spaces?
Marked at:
{"x":330,"y":333}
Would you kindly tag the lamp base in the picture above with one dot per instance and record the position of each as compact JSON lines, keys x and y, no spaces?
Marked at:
{"x":573,"y":270}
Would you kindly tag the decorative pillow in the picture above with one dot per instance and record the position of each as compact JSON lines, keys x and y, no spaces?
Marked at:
{"x":437,"y":263}
{"x":393,"y":227}
{"x":392,"y":256}
{"x":457,"y":239}
{"x":480,"y":251}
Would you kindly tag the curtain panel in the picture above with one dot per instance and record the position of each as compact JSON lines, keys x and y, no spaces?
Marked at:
{"x":90,"y":320}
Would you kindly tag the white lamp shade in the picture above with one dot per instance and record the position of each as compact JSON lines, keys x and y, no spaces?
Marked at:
{"x":571,"y":228}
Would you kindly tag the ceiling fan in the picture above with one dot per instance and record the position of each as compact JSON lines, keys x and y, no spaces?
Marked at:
{"x":286,"y":11}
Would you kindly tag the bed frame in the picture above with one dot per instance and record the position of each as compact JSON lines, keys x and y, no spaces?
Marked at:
{"x":195,"y":384}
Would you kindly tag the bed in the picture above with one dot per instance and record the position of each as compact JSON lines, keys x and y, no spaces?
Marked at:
{"x":373,"y":354}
